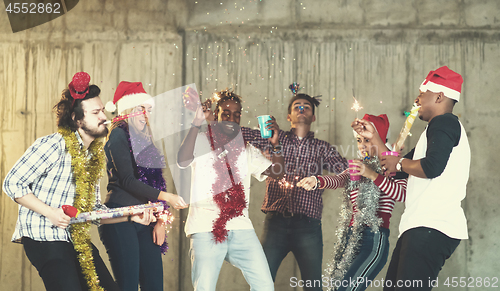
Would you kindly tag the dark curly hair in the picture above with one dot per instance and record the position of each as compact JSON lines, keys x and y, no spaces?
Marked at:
{"x":65,"y":107}
{"x":314,"y":102}
{"x":224,"y":96}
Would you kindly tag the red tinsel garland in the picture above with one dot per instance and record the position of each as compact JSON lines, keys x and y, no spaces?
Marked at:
{"x":232,"y":201}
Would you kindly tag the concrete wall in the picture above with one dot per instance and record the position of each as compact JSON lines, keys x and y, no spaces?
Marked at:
{"x":380,"y":49}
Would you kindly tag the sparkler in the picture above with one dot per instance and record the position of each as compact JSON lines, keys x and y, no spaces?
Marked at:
{"x":355,"y":106}
{"x":215,"y":98}
{"x":286,"y":184}
{"x":166,"y":217}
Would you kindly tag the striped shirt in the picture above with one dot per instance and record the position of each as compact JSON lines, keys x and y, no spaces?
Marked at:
{"x":303,"y":158}
{"x":392,"y":190}
{"x":44,"y":170}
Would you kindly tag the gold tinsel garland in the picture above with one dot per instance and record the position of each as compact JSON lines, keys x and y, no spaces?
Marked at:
{"x":87,"y":173}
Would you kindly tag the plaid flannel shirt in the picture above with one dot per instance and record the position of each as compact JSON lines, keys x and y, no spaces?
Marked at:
{"x":303,"y":157}
{"x":44,"y":170}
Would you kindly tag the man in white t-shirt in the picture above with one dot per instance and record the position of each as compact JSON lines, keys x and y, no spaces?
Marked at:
{"x":433,"y":223}
{"x":218,"y":224}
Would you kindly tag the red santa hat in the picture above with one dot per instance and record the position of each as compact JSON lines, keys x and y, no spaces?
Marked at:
{"x":381,"y":124}
{"x":128,"y":95}
{"x":443,"y":80}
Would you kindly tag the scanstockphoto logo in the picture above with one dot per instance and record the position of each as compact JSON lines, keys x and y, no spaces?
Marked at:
{"x":30,"y":13}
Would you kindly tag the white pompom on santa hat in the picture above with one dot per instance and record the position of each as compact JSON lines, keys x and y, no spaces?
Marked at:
{"x":443,"y":80}
{"x":128,"y":95}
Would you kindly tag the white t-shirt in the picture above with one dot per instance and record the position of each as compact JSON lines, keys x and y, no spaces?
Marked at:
{"x":436,"y":203}
{"x":202,"y":210}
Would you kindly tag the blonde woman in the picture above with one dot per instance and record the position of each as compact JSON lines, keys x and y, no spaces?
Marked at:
{"x":134,"y":168}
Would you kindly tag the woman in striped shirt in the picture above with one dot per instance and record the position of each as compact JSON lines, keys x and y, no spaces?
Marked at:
{"x":363,"y":246}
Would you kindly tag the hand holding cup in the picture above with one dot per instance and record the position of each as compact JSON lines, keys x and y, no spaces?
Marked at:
{"x":264,"y":131}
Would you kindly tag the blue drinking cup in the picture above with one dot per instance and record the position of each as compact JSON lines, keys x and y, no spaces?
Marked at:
{"x":265,"y":133}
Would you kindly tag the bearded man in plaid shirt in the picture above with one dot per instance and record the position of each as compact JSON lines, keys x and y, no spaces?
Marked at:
{"x":293,"y":215}
{"x":43,"y":180}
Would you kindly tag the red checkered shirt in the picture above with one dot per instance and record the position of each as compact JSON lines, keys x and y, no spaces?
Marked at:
{"x":303,"y":158}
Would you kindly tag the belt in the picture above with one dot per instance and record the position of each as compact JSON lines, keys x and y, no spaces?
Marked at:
{"x":287,"y":214}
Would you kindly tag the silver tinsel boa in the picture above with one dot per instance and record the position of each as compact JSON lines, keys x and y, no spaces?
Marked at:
{"x":367,"y":203}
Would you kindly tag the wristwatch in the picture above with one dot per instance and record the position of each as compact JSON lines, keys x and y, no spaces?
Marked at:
{"x":399,"y":165}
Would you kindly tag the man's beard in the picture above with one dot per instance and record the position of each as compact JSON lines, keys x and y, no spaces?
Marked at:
{"x":95,"y":132}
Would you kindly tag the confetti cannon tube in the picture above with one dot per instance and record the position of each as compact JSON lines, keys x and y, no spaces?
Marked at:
{"x":406,"y":128}
{"x":110,"y":212}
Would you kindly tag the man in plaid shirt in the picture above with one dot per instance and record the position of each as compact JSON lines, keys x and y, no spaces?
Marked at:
{"x":293,"y":215}
{"x":42,"y":181}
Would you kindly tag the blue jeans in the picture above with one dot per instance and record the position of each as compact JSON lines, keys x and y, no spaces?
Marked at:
{"x":369,"y":261}
{"x":300,"y":235}
{"x":242,"y":249}
{"x":135,"y":259}
{"x":419,"y":255}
